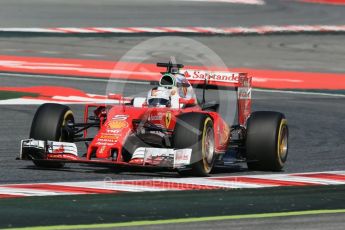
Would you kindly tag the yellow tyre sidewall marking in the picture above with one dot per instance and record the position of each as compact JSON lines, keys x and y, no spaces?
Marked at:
{"x":205,"y":163}
{"x":283,"y":123}
{"x":68,"y":113}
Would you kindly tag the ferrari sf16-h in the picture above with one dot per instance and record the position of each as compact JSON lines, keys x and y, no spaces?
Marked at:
{"x":170,"y":128}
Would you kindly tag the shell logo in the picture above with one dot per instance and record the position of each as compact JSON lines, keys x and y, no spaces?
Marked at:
{"x":117,"y":124}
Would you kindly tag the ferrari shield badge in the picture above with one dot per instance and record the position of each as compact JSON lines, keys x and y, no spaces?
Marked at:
{"x":167,"y":119}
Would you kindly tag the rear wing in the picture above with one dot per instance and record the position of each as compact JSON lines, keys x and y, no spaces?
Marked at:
{"x":212,"y":78}
{"x":241,"y":82}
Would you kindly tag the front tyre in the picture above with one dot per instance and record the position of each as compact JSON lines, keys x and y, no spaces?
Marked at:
{"x":195,"y":131}
{"x":47,"y":125}
{"x":267,"y":141}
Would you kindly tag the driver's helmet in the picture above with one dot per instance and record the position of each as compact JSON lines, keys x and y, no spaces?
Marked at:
{"x":159,"y":97}
{"x":179,"y":83}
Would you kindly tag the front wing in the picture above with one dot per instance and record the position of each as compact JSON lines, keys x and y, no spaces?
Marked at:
{"x":67,"y":152}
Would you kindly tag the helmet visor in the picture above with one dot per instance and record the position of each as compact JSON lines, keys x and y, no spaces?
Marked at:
{"x":158,"y":101}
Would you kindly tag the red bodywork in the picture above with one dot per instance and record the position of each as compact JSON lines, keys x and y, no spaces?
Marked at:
{"x":120,"y":121}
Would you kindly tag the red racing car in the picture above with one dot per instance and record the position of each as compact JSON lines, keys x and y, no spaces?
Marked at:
{"x":173,"y":127}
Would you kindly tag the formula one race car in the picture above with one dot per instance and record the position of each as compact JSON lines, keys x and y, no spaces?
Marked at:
{"x":173,"y":127}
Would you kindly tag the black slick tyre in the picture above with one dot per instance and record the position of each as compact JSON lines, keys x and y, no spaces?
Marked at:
{"x":267,"y":141}
{"x":195,"y":131}
{"x":47,"y":125}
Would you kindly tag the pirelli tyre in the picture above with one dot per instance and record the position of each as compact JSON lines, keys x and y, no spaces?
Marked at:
{"x":267,"y":141}
{"x":195,"y":131}
{"x":47,"y":125}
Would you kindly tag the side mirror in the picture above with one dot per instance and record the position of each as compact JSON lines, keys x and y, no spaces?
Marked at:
{"x":114,"y":96}
{"x":184,"y":101}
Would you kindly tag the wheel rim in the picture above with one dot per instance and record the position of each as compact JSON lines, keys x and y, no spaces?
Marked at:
{"x":208,"y":152}
{"x":68,"y":117}
{"x":283,"y":143}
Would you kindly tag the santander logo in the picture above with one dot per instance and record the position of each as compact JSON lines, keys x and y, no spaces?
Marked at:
{"x":211,"y":76}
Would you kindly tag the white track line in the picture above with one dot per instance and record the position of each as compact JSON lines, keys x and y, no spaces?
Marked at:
{"x":247,"y":2}
{"x":147,"y":83}
{"x":34,"y":30}
{"x":299,"y":92}
{"x":290,"y":178}
{"x":74,"y":78}
{"x":110,"y":186}
{"x":216,"y":183}
{"x":112,"y":30}
{"x":31,"y":192}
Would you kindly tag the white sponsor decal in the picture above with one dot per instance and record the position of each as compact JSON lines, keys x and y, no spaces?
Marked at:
{"x":120,"y":117}
{"x":53,"y":147}
{"x":211,"y":76}
{"x":244,"y":93}
{"x":33,"y":143}
{"x":182,"y":157}
{"x":99,"y":143}
{"x":164,"y":157}
{"x":113,"y":131}
{"x":155,"y":117}
{"x":62,"y":147}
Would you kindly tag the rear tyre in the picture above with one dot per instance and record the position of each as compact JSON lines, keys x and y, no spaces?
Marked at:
{"x":47,"y":125}
{"x":267,"y":141}
{"x":195,"y":131}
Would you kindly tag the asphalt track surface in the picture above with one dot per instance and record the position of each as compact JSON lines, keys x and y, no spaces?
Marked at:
{"x":310,"y":53}
{"x":314,"y":146}
{"x":316,"y":137}
{"x":316,"y":133}
{"x":315,"y":121}
{"x":123,"y":13}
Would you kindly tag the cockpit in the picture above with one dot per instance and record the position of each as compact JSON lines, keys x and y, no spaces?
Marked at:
{"x":171,"y":88}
